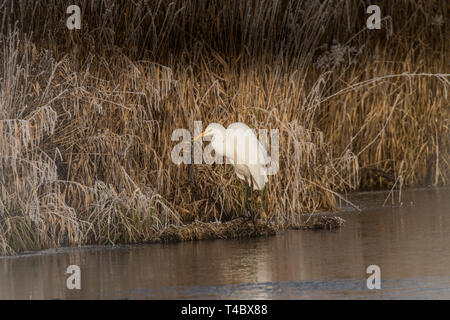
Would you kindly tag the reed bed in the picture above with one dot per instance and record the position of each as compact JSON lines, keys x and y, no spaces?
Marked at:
{"x":86,"y":116}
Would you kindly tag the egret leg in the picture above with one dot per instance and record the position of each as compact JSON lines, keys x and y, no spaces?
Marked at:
{"x":261,"y":204}
{"x":244,"y":200}
{"x":252,"y":201}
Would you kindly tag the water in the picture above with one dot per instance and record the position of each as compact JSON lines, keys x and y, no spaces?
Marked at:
{"x":410,"y":244}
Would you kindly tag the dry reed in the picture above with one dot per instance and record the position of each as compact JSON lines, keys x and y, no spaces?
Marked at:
{"x":86,"y":116}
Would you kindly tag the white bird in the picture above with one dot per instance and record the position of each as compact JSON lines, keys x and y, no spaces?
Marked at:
{"x":241,"y":148}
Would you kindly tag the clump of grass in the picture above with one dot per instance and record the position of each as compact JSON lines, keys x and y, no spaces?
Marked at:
{"x":234,"y":229}
{"x":321,"y":223}
{"x":86,"y":116}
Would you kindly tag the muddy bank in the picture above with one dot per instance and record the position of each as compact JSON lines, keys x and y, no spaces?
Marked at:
{"x":235,"y":229}
{"x":241,"y":228}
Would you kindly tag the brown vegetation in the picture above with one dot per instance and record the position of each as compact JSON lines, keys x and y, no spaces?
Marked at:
{"x":86,"y":116}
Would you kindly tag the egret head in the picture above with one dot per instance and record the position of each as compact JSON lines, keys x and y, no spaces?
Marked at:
{"x":212,"y":130}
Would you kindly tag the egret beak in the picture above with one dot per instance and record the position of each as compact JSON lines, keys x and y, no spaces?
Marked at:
{"x":199,"y":136}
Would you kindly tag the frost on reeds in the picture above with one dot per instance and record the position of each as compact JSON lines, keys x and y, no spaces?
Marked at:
{"x":86,"y":116}
{"x":38,"y":207}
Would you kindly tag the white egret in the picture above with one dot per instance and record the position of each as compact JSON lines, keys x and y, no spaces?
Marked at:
{"x":241,"y":148}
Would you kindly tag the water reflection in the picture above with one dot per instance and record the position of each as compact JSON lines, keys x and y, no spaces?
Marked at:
{"x":410,"y":244}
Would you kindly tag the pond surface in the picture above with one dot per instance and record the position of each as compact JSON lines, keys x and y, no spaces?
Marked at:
{"x":409,"y":242}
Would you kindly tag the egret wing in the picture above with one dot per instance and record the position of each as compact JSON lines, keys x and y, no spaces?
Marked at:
{"x":244,"y":149}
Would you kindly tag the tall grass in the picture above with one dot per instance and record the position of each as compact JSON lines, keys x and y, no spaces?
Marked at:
{"x":86,"y":116}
